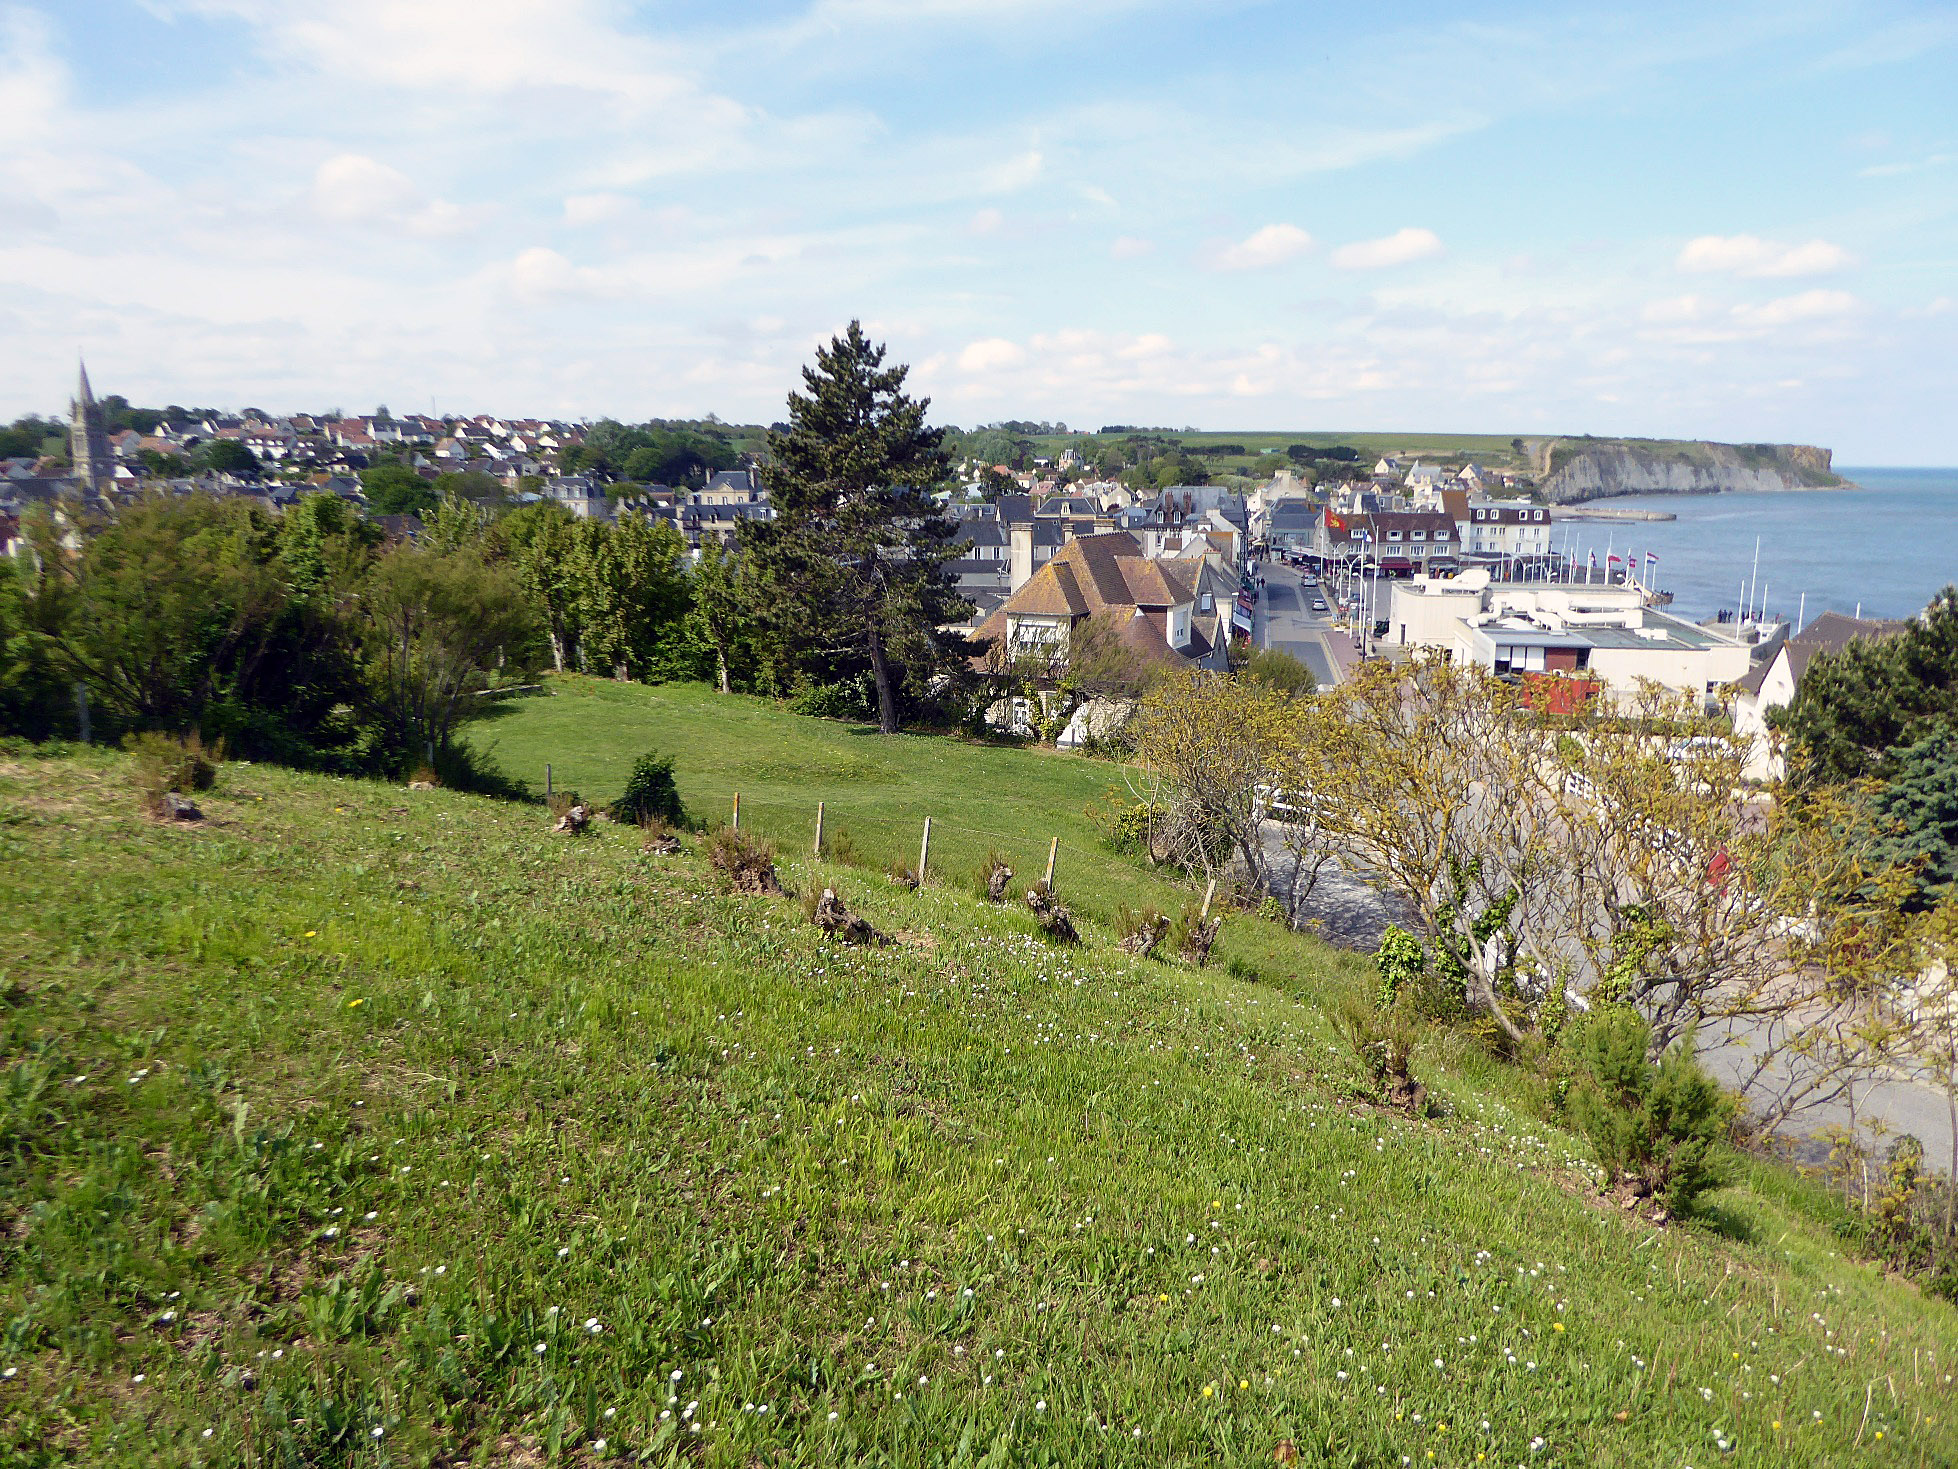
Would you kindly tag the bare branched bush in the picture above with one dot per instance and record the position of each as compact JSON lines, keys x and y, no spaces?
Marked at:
{"x":828,"y":913}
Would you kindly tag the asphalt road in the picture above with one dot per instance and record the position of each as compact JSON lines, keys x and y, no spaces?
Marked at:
{"x":1285,"y":621}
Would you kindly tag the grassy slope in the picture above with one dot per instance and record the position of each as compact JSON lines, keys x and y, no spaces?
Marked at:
{"x":394,"y":1088}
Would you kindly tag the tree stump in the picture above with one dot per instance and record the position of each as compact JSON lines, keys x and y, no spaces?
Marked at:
{"x":1141,"y":940}
{"x":996,"y":882}
{"x":840,"y":923}
{"x":1197,"y":943}
{"x":575,"y":821}
{"x":177,"y":807}
{"x":666,"y":845}
{"x":1053,"y":917}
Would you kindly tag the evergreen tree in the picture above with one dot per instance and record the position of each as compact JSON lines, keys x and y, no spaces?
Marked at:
{"x":853,"y":565}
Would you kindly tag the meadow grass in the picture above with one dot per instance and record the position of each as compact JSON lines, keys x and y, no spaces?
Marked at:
{"x":362,"y":1126}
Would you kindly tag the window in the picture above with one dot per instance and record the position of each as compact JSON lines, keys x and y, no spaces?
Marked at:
{"x":1393,"y":535}
{"x":1441,"y":535}
{"x":1539,"y":515}
{"x":1419,"y":535}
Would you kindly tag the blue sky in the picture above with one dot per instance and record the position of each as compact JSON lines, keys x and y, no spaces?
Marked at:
{"x":1734,"y":221}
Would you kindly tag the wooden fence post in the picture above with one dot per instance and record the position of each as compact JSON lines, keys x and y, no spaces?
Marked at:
{"x":737,"y":811}
{"x":1053,"y":851}
{"x":547,"y":782}
{"x":1208,"y":893}
{"x":819,"y":829}
{"x":924,"y":852}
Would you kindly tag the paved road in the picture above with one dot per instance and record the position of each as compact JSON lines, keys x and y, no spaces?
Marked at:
{"x":1285,"y":621}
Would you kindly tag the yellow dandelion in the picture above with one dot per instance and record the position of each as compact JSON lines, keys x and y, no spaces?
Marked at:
{"x":355,"y":1004}
{"x":1242,"y":1384}
{"x":1162,"y":1298}
{"x":1216,"y":1203}
{"x":1879,"y":1434}
{"x":1556,"y":1326}
{"x":312,"y":933}
{"x":1777,"y":1424}
{"x":1208,"y":1390}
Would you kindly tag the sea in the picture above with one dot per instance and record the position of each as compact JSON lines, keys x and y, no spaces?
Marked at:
{"x":1886,"y":547}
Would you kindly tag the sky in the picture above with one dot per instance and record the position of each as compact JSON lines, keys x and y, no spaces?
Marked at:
{"x":1734,"y":221}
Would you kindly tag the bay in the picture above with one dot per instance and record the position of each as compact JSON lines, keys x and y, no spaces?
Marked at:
{"x":1888,"y":545}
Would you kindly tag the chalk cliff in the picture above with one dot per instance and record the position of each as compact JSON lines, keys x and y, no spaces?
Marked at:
{"x":1571,"y":470}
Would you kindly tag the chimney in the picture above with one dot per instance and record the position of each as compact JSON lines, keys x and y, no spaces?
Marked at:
{"x":1019,"y":560}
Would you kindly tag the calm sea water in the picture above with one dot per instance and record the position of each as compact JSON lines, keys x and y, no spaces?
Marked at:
{"x":1888,"y":545}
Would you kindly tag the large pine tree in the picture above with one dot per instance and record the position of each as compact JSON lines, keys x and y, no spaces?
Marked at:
{"x":852,"y":568}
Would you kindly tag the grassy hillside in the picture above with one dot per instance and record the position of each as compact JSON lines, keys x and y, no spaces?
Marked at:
{"x":374,"y":1127}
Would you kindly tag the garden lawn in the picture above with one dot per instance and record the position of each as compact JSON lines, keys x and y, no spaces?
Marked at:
{"x":361,"y":1126}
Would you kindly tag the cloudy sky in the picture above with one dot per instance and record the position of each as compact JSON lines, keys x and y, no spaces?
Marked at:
{"x":1734,"y":220}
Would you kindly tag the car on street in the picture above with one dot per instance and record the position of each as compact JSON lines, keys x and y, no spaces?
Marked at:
{"x":1319,"y":604}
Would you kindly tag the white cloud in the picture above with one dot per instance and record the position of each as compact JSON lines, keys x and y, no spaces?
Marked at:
{"x":1273,"y":245}
{"x":598,"y":208}
{"x":991,"y":354}
{"x":351,"y":188}
{"x":1674,"y":310}
{"x":1399,"y":248}
{"x":1130,"y":247}
{"x":1750,"y":255}
{"x":1805,"y":306}
{"x":1013,"y":175}
{"x":985,"y":222}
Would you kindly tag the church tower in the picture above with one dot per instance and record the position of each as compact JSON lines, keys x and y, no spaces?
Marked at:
{"x":88,"y":445}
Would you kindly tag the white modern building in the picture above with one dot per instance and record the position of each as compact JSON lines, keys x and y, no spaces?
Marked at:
{"x":1606,"y":634}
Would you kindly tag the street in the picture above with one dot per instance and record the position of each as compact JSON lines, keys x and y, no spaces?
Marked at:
{"x":1286,"y":622}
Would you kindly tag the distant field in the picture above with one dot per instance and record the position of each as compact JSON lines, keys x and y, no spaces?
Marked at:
{"x":1489,"y":450}
{"x":878,"y":790}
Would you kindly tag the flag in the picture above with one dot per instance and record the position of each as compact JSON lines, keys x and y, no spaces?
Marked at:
{"x":1613,"y":560}
{"x":1335,"y":522}
{"x":1651,"y":558}
{"x":1594,"y":558}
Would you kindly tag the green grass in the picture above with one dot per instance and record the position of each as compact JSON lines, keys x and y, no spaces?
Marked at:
{"x":323,"y":1117}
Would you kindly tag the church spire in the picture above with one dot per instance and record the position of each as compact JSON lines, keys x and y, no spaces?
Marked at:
{"x":88,"y":445}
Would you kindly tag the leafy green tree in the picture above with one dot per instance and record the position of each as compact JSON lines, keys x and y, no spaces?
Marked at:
{"x":468,"y":484}
{"x":33,"y":695}
{"x":632,"y":588}
{"x":228,"y":456}
{"x":161,"y":465}
{"x":436,"y":624}
{"x":720,"y":608}
{"x":853,"y":565}
{"x":542,"y":541}
{"x":30,"y":437}
{"x":395,"y":489}
{"x":1855,"y":709}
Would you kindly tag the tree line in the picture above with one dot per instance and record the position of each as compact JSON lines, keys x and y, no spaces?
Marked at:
{"x":310,"y":639}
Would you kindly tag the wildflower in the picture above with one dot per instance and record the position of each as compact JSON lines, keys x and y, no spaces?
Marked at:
{"x":1209,"y":1391}
{"x":598,"y":1446}
{"x":538,"y":1349}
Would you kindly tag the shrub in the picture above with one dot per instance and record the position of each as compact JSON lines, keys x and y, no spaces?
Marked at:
{"x":650,"y":793}
{"x":1653,"y":1128}
{"x":742,"y":863}
{"x":841,"y":848}
{"x":1192,"y":935}
{"x":162,"y":763}
{"x":1382,"y":1040}
{"x":849,"y":700}
{"x":1141,"y":932}
{"x":562,"y":801}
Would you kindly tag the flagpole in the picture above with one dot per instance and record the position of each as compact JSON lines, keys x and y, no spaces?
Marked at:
{"x":1755,"y":572}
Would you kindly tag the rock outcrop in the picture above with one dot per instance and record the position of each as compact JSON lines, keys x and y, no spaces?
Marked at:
{"x":1573,"y":470}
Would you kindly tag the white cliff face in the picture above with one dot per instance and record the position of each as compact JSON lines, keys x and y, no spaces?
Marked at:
{"x":1594,"y":471}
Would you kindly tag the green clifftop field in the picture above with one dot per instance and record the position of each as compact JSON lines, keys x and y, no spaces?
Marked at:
{"x":365,"y":1126}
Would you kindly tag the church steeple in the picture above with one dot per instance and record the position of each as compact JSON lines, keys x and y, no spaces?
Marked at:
{"x":88,"y":445}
